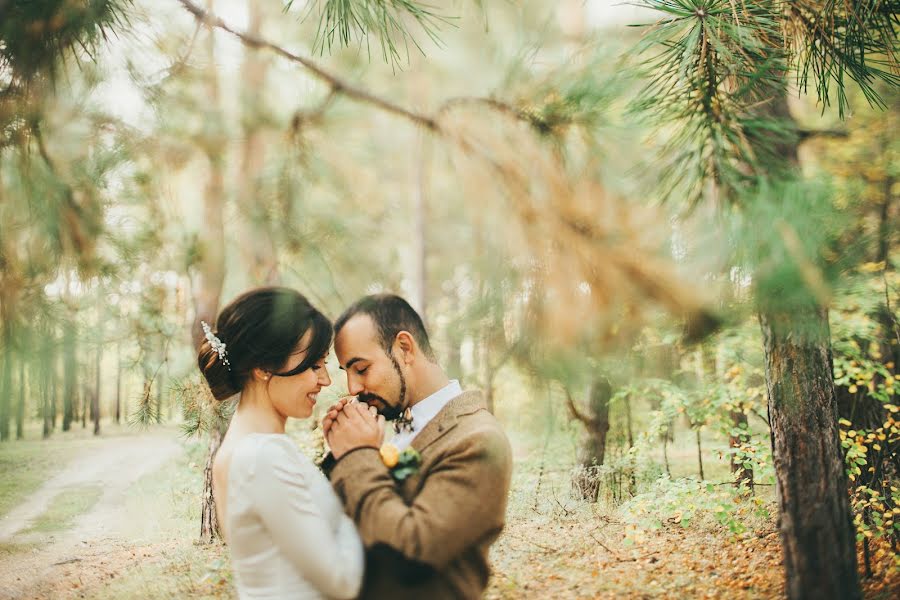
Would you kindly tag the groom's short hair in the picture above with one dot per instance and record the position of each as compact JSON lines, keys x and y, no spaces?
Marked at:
{"x":391,"y":315}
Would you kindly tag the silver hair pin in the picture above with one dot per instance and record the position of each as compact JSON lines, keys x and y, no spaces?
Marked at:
{"x":217,"y":344}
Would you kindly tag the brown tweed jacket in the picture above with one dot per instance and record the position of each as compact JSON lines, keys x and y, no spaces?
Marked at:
{"x":428,"y":536}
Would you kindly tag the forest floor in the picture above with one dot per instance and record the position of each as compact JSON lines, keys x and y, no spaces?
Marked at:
{"x":120,"y":517}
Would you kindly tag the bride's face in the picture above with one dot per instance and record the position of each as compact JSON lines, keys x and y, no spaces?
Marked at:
{"x":295,"y":396}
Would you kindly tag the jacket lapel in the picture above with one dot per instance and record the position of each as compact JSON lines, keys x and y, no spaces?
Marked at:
{"x":464,"y":404}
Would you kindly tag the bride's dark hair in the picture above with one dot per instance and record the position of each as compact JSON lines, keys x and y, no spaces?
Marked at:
{"x":261,"y":329}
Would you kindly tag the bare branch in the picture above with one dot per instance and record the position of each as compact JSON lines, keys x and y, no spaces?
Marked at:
{"x":573,"y":410}
{"x":337,"y":84}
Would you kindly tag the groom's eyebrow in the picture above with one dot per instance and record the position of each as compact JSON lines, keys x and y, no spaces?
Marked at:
{"x":351,"y":362}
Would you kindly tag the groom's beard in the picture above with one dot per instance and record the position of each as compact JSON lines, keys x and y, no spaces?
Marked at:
{"x":390,"y":412}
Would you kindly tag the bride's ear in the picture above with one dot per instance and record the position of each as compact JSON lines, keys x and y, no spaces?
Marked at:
{"x":260,"y":375}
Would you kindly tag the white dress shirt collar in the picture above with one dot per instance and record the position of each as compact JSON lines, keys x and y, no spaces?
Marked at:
{"x":425,"y":410}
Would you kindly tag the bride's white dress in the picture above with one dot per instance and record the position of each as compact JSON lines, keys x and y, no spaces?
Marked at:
{"x":286,"y":529}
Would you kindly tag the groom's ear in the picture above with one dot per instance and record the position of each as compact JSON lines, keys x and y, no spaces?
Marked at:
{"x":406,"y":345}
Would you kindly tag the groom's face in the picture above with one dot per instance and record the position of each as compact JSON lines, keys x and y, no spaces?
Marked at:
{"x":373,"y":375}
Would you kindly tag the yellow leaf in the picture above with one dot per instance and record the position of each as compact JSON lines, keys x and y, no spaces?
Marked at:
{"x":852,"y":389}
{"x":871,"y":267}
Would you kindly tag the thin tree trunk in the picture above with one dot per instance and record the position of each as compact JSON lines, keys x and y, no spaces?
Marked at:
{"x":817,"y":532}
{"x":212,"y":268}
{"x":6,"y":383}
{"x":700,"y":455}
{"x":45,"y":373}
{"x":209,"y":521}
{"x":54,"y":380}
{"x":85,"y":402}
{"x":118,"y":382}
{"x":421,"y":238}
{"x":98,"y":361}
{"x":20,"y":409}
{"x":666,"y":454}
{"x":258,"y":248}
{"x":95,"y":397}
{"x":160,"y":385}
{"x":70,"y":368}
{"x":630,"y":433}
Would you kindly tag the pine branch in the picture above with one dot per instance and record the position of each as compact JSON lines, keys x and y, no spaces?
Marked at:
{"x":713,"y":69}
{"x":34,"y":36}
{"x":346,"y":21}
{"x":337,"y":84}
{"x":836,"y":39}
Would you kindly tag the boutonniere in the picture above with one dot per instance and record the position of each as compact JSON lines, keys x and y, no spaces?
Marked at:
{"x":401,"y":464}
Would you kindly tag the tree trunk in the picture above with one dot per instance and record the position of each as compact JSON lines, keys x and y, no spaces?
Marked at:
{"x":70,"y":368}
{"x":118,"y":382}
{"x":6,"y":382}
{"x":46,"y":377}
{"x":85,"y":402}
{"x":209,"y":521}
{"x":258,"y":248}
{"x":20,"y":408}
{"x":212,"y":268}
{"x":420,"y":207}
{"x":160,"y":384}
{"x":54,"y":380}
{"x":700,"y":455}
{"x":817,"y":532}
{"x":593,"y":450}
{"x":95,"y":396}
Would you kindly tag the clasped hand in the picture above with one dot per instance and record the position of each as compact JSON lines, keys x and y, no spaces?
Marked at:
{"x":350,"y":424}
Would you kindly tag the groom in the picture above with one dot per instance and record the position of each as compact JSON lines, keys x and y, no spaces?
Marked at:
{"x":426,"y":535}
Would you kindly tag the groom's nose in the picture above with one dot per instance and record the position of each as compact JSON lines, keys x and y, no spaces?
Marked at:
{"x":354,"y":387}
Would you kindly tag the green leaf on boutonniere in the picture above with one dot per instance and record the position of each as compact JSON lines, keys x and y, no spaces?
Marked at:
{"x":407,"y":464}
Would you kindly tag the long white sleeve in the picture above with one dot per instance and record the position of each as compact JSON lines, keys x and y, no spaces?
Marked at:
{"x":329,"y":557}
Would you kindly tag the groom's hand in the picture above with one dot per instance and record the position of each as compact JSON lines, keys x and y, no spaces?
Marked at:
{"x":332,"y":414}
{"x":355,"y":426}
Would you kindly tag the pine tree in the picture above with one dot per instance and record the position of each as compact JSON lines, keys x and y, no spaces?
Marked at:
{"x":719,"y":74}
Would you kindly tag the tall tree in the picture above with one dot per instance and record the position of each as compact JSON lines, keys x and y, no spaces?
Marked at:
{"x":720,"y":76}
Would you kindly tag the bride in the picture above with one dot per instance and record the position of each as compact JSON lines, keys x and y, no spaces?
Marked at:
{"x":286,"y":529}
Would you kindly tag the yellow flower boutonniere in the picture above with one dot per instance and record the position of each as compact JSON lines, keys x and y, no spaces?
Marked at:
{"x":401,"y":464}
{"x":389,"y":455}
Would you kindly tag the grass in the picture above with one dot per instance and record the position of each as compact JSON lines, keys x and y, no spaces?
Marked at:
{"x":65,"y":508}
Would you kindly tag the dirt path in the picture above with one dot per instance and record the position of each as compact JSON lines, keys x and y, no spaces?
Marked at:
{"x":113,"y":466}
